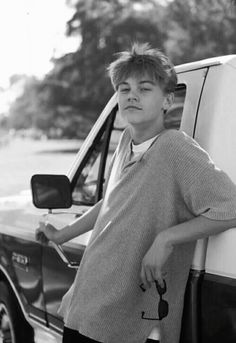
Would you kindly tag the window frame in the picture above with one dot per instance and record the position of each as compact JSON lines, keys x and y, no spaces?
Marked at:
{"x":106,"y":130}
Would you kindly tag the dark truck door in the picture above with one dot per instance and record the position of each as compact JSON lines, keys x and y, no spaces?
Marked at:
{"x":22,"y":257}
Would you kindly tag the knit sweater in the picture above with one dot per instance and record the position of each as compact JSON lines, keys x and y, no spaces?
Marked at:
{"x":172,"y":182}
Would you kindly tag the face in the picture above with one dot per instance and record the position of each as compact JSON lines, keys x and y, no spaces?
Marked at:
{"x":141,"y":102}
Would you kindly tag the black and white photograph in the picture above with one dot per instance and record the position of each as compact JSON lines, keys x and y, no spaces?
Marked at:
{"x":118,"y":171}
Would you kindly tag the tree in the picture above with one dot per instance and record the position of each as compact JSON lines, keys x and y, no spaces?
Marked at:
{"x":199,"y":29}
{"x":72,"y":95}
{"x":25,"y":108}
{"x":105,"y":27}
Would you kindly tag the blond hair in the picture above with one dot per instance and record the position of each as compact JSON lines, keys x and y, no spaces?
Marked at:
{"x":143,"y":60}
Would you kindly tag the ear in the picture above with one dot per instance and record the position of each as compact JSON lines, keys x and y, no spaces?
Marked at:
{"x":168,"y":101}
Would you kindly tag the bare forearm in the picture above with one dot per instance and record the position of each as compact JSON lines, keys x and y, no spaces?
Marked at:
{"x":162,"y":247}
{"x":197,"y":228}
{"x":82,"y":225}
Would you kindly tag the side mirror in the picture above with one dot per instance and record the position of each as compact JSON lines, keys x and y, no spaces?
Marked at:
{"x":51,"y":191}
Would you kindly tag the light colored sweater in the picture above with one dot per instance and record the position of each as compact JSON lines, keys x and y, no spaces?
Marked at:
{"x":172,"y":182}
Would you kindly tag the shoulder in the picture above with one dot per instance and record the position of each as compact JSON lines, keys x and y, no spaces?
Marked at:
{"x":180,"y":142}
{"x":183,"y":151}
{"x":177,"y":138}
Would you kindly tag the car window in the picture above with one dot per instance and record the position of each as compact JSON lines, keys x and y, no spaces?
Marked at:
{"x":85,"y":189}
{"x":174,"y":115}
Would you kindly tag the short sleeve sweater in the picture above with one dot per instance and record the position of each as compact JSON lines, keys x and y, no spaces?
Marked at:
{"x":172,"y":182}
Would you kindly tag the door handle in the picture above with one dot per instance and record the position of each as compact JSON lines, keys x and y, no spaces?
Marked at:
{"x":63,"y":255}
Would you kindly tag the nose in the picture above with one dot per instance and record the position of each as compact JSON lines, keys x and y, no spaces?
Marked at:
{"x":133,"y":96}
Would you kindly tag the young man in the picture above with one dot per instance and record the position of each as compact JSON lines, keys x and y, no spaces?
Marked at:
{"x":163,"y":193}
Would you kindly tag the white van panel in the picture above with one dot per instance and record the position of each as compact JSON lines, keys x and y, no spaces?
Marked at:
{"x":221,"y":254}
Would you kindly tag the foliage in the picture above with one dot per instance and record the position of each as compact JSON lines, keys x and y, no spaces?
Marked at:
{"x":105,"y":28}
{"x":26,"y":107}
{"x":72,"y":96}
{"x":199,"y":29}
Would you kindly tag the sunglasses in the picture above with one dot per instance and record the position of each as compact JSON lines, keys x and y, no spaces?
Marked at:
{"x":163,"y":307}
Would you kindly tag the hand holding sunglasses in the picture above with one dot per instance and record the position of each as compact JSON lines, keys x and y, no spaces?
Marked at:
{"x":163,"y":306}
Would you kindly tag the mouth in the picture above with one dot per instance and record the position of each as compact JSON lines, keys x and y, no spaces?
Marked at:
{"x":131,"y":107}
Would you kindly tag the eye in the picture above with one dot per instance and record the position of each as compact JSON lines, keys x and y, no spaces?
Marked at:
{"x":124,"y":90}
{"x":145,"y":89}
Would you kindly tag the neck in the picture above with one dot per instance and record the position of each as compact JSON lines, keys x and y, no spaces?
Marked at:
{"x":140,"y":136}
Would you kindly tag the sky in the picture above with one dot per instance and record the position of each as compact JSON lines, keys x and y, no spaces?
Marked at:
{"x":31,"y":33}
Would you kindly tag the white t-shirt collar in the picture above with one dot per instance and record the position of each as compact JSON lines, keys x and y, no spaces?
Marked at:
{"x":140,"y":148}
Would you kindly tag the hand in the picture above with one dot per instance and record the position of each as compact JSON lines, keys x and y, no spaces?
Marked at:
{"x":46,"y":232}
{"x":154,"y":261}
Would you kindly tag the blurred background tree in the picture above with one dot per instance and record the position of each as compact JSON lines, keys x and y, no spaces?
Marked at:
{"x":200,"y":29}
{"x":70,"y":98}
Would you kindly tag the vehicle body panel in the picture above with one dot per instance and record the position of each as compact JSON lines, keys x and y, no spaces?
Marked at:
{"x":215,"y":132}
